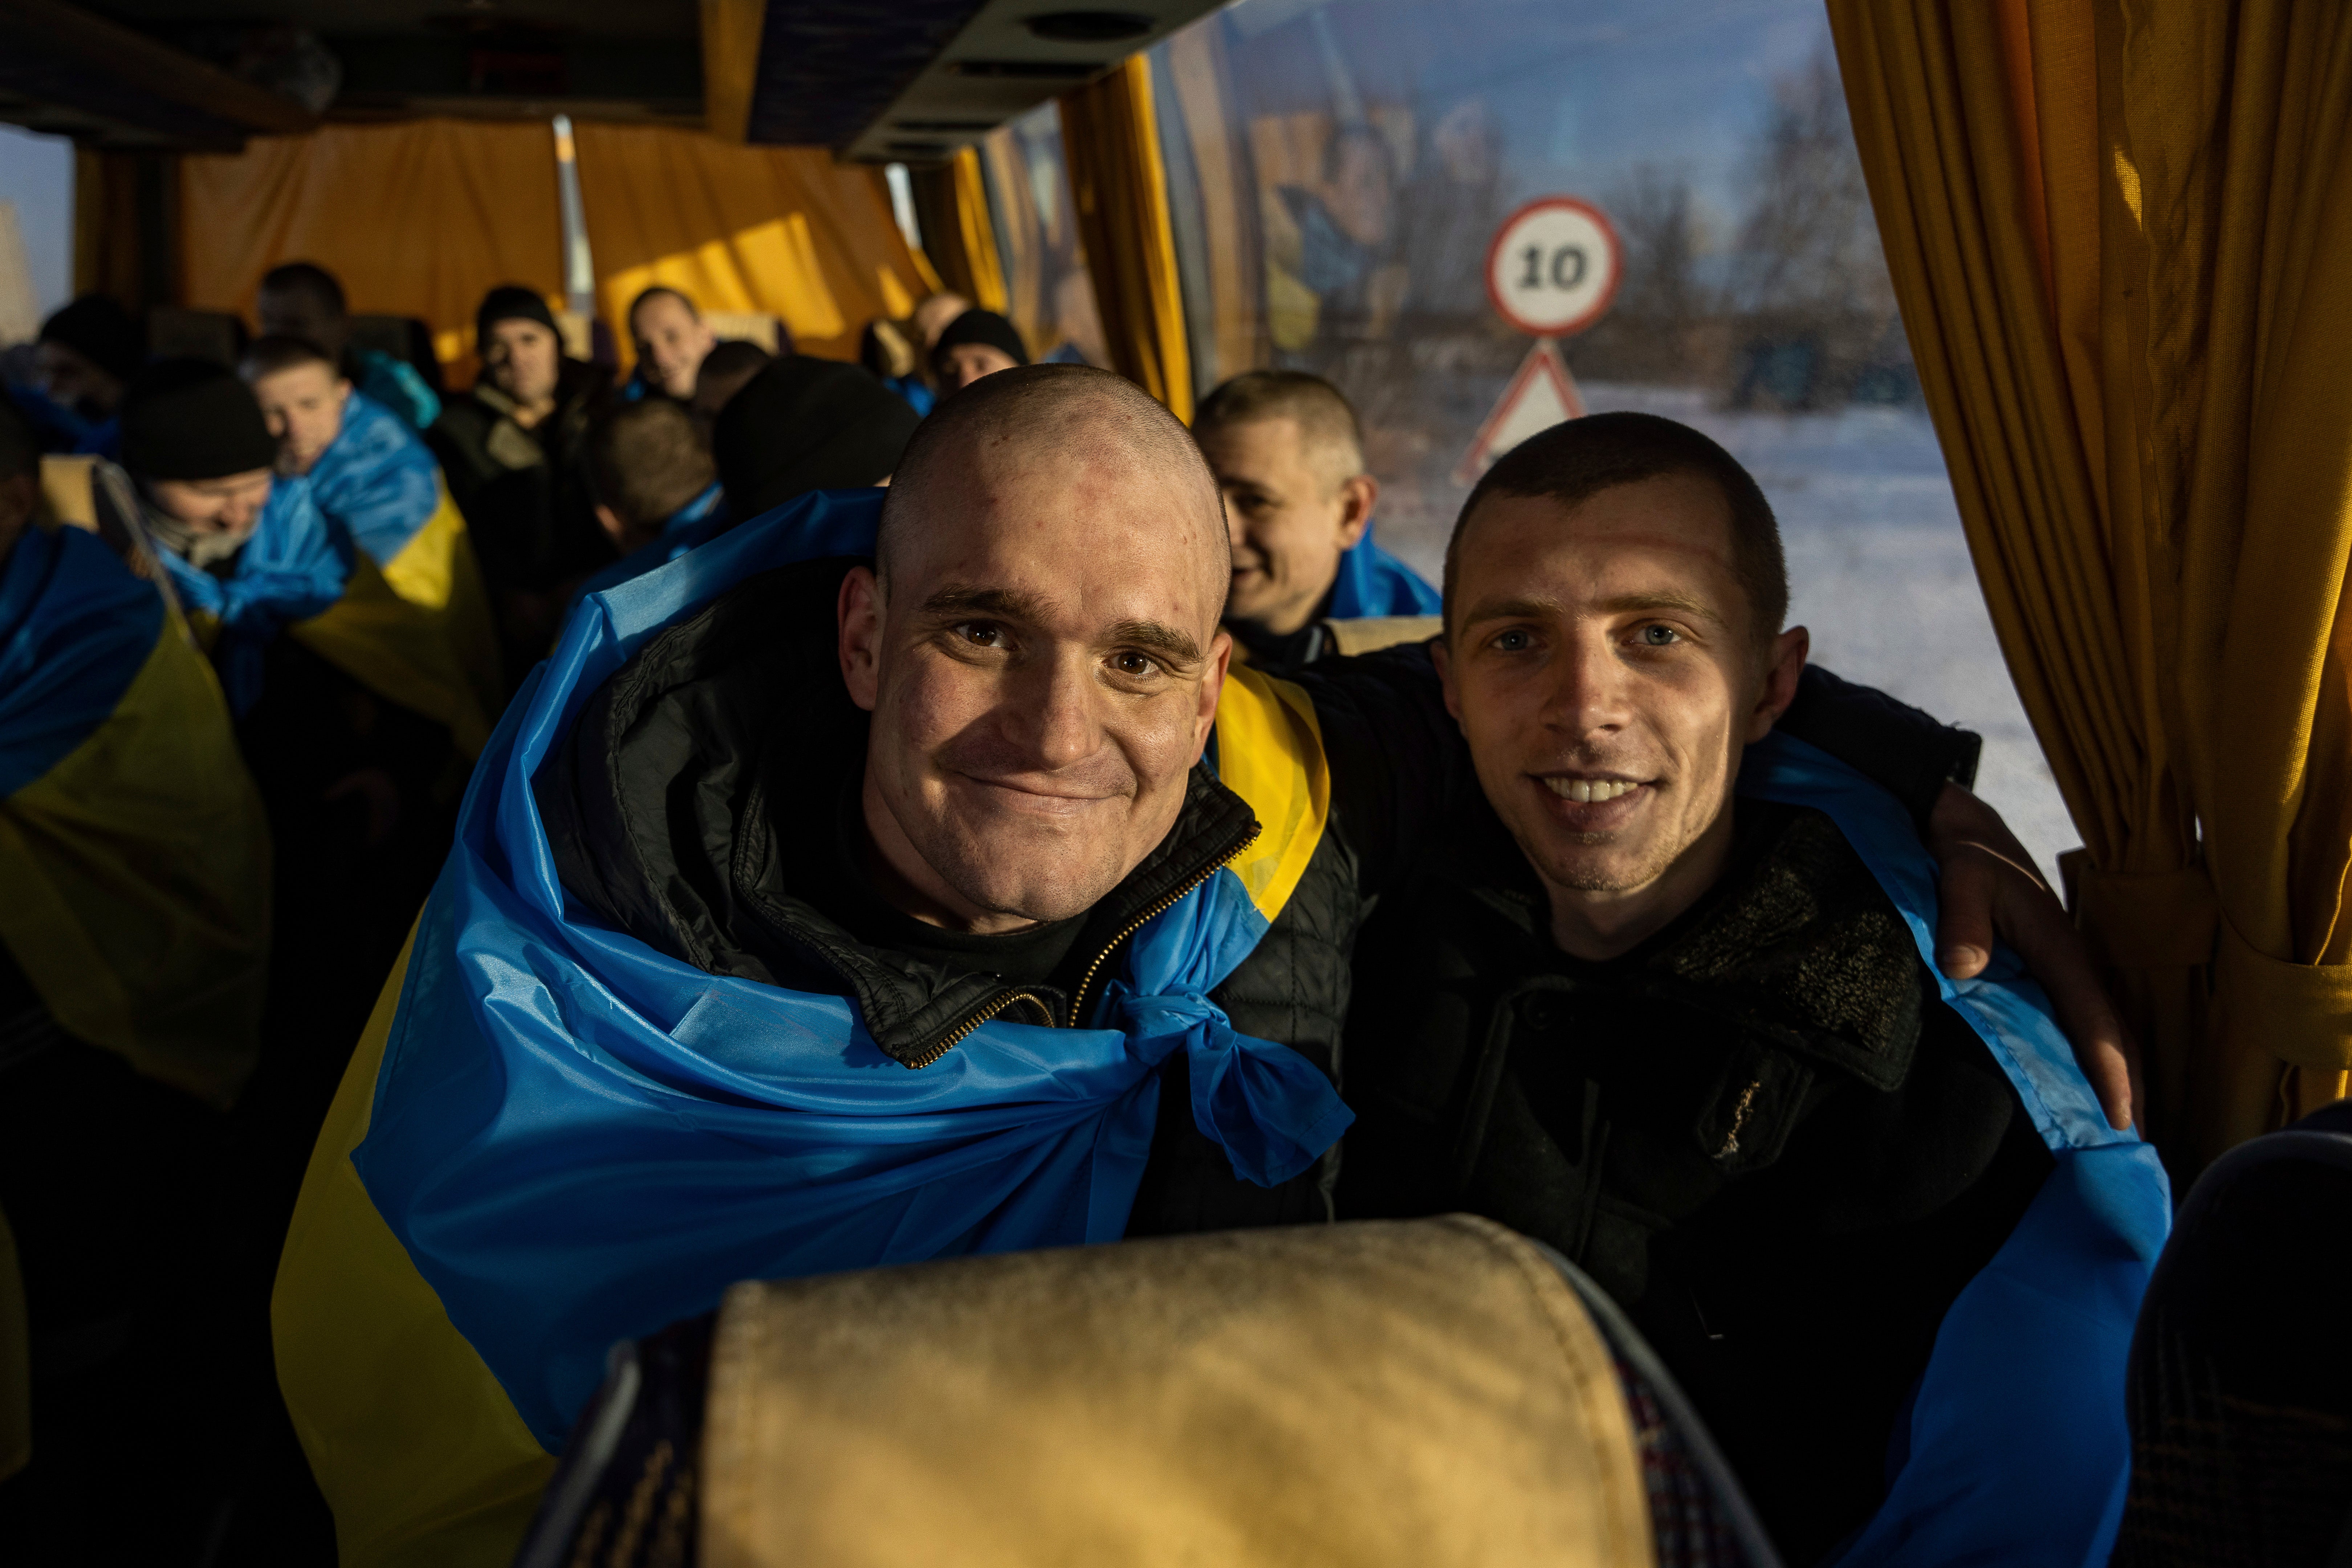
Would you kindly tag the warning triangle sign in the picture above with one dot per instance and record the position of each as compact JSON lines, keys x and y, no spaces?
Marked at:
{"x":1540,"y":396}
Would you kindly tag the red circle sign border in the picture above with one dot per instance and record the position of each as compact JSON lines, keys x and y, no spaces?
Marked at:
{"x":1616,"y":267}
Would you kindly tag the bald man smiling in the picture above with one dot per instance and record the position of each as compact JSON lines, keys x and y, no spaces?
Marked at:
{"x":900,"y":875}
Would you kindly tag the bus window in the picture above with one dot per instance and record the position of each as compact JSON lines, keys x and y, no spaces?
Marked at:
{"x":1052,"y":300}
{"x":1336,"y":173}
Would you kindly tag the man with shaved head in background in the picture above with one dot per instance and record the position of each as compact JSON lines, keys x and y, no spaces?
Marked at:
{"x":903,"y":874}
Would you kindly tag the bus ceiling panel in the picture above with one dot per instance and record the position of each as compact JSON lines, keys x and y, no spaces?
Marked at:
{"x":65,"y":66}
{"x":915,"y":79}
{"x":1008,"y":58}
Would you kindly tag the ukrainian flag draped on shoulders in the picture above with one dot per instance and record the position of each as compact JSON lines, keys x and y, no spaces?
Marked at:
{"x":553,"y":1137}
{"x":2014,"y":1447}
{"x":415,"y":602}
{"x":132,"y":844}
{"x":302,"y":573}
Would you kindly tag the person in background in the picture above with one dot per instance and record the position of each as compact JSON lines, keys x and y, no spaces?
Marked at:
{"x":672,"y":340}
{"x":976,"y":344}
{"x":1289,"y":456}
{"x":303,"y":299}
{"x":724,"y":370}
{"x":514,"y":451}
{"x":134,"y":949}
{"x":372,"y":478}
{"x":885,"y":352}
{"x":85,"y":355}
{"x":801,"y":424}
{"x":935,"y":315}
{"x":652,"y":473}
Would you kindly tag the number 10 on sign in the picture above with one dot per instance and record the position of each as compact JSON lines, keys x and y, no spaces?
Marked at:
{"x":1551,"y":269}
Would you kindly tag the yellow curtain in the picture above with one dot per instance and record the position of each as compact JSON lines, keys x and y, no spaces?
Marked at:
{"x":783,"y":231}
{"x":730,"y":64}
{"x":417,"y":219}
{"x":959,"y":234}
{"x":1120,"y":191}
{"x":2121,"y":234}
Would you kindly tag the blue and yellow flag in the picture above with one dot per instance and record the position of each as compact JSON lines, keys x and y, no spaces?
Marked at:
{"x":132,"y":844}
{"x":553,"y":1137}
{"x":415,"y":614}
{"x":2013,"y":1449}
{"x":416,"y":631}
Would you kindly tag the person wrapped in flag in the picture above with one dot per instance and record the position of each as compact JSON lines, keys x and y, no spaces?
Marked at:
{"x":414,"y":575}
{"x":903,"y":874}
{"x":134,"y":951}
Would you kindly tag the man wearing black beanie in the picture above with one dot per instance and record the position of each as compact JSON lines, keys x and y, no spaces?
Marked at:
{"x":804,"y":424}
{"x":196,"y":441}
{"x":89,"y":351}
{"x":514,"y":449}
{"x":976,"y":344}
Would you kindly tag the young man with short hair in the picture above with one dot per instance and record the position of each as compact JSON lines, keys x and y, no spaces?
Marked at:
{"x":671,"y":340}
{"x":651,"y":471}
{"x":303,"y":299}
{"x":1288,"y":454}
{"x":1694,"y":1042}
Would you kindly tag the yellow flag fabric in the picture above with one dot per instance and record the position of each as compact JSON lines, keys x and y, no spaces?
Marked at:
{"x":418,"y":1449}
{"x":137,"y":877}
{"x":419,"y":631}
{"x":1120,"y":191}
{"x":2121,"y":235}
{"x":782,"y":231}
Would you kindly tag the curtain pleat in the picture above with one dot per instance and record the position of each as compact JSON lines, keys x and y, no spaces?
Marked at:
{"x":2121,"y":233}
{"x":417,"y":219}
{"x":782,"y":231}
{"x":1120,"y":191}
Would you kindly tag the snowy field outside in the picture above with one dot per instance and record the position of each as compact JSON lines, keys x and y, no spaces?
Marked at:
{"x":1878,"y":569}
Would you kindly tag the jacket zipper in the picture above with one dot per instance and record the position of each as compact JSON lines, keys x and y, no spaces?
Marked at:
{"x":1079,"y":1000}
{"x":948,"y":1042}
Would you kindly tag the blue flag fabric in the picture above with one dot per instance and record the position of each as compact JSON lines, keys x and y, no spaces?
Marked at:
{"x":76,"y":628}
{"x":577,"y":1138}
{"x":2014,"y":1449}
{"x":376,"y":480}
{"x":1372,"y":581}
{"x":293,"y":567}
{"x":697,"y":522}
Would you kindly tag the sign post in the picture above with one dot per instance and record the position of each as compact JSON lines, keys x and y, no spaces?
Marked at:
{"x":1551,"y":270}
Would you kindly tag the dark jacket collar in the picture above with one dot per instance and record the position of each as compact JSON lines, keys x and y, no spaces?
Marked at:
{"x":668,"y":804}
{"x":1795,"y":945}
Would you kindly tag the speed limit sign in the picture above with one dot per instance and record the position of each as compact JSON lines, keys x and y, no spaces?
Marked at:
{"x":1553,"y":267}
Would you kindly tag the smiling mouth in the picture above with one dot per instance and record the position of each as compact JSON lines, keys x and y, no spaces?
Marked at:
{"x":1589,"y":792}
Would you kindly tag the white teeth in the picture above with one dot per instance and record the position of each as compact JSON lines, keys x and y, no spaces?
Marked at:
{"x":1587,"y":791}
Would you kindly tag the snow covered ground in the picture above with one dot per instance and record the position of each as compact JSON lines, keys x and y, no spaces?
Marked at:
{"x":1877,"y":568}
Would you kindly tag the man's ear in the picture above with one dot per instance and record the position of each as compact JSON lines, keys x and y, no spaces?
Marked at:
{"x":1213,"y":687}
{"x":857,"y":618}
{"x":1356,"y":498}
{"x":1441,"y":654}
{"x":1784,"y":661}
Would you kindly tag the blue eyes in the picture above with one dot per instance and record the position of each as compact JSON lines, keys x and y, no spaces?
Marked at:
{"x":1659,"y":637}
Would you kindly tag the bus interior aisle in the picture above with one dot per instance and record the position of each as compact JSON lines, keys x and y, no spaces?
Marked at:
{"x":1736,"y":880}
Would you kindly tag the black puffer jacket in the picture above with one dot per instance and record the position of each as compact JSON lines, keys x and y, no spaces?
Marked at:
{"x":1760,"y":1130}
{"x":677,"y":804}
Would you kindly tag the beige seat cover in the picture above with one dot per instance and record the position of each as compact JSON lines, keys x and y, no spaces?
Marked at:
{"x":1426,"y":1393}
